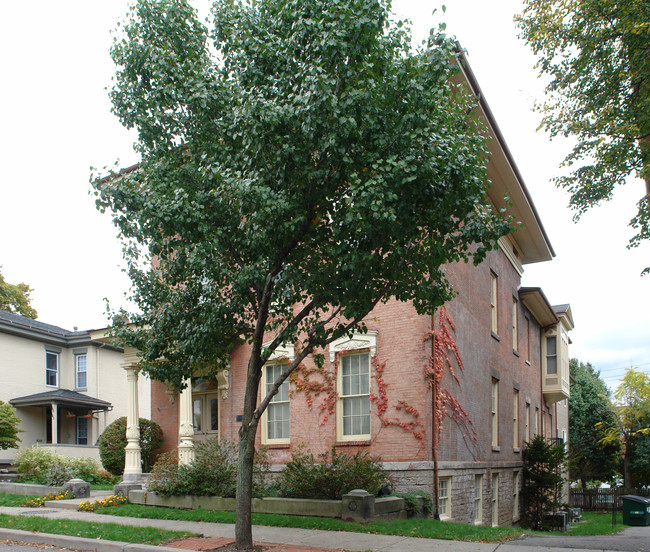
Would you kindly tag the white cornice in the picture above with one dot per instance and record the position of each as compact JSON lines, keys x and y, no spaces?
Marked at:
{"x":358,"y":341}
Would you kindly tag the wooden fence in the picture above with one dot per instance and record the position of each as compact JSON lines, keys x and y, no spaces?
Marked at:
{"x":601,"y":499}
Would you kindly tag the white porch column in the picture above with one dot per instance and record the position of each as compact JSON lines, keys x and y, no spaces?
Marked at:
{"x":185,"y":425}
{"x":133,"y":458}
{"x":55,"y":423}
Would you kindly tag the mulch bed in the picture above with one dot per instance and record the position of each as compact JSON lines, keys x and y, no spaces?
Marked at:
{"x":225,"y":544}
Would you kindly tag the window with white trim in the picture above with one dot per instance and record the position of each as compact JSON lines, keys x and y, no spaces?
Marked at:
{"x":527,"y":421}
{"x":515,"y":418}
{"x":551,"y":355}
{"x":444,"y":497}
{"x":515,"y":496}
{"x":276,"y":418}
{"x":354,"y":396}
{"x":51,"y":369}
{"x":515,"y":324}
{"x":82,"y":430}
{"x":478,"y":498}
{"x":81,"y":369}
{"x":494,"y":308}
{"x":495,"y":412}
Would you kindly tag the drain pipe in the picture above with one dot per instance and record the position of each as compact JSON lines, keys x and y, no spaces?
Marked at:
{"x":434,"y":431}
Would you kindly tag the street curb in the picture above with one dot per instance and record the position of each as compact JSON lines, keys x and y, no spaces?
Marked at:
{"x":79,"y":543}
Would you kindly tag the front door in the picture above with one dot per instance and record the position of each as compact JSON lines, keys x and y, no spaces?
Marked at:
{"x":205,"y":407}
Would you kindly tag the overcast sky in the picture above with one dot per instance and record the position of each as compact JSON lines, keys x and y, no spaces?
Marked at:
{"x":56,"y":123}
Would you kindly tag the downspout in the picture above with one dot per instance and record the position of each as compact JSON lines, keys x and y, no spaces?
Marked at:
{"x":434,"y":431}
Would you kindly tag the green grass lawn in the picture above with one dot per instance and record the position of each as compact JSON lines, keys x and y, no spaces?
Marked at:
{"x":596,"y":523}
{"x":105,"y":531}
{"x":13,"y":500}
{"x":593,"y":523}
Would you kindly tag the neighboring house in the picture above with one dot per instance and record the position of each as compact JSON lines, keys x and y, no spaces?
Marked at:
{"x":374,"y":396}
{"x":66,"y":387}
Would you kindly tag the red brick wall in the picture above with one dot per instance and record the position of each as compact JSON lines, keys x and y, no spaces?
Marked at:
{"x":165,"y":412}
{"x":401,"y":346}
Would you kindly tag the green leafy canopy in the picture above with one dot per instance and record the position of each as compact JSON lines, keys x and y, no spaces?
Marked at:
{"x":15,"y":298}
{"x":300,"y":163}
{"x":590,"y":412}
{"x":596,"y":55}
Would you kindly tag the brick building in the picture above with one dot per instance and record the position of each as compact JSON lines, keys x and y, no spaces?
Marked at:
{"x":374,"y":394}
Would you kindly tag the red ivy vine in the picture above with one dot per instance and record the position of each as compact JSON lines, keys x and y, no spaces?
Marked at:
{"x":325,"y":385}
{"x":414,"y":426}
{"x":444,"y":351}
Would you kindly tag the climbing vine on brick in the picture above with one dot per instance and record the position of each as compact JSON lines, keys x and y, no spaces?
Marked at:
{"x":413,"y":425}
{"x":319,"y":382}
{"x":445,"y":357}
{"x":325,"y":385}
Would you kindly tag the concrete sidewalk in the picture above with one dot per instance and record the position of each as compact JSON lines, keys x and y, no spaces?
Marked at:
{"x":306,"y":540}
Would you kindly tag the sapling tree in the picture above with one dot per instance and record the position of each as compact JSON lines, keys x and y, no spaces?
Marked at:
{"x":301,"y":163}
{"x":543,"y":463}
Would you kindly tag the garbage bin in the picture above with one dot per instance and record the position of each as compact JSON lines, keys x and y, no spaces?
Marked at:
{"x":636,"y":510}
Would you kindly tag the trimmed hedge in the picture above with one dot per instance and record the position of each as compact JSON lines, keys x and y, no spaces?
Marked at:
{"x":113,"y":440}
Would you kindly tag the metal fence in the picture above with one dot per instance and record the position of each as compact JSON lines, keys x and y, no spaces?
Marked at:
{"x":601,"y":499}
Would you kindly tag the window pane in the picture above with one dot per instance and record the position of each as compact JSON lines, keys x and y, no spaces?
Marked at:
{"x":355,"y":389}
{"x":80,"y":361}
{"x":278,"y":411}
{"x":197,"y":415}
{"x":551,"y":365}
{"x":51,"y":368}
{"x":214,"y":414}
{"x":82,"y":431}
{"x":551,"y":345}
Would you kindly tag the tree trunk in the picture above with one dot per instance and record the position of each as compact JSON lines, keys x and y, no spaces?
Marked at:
{"x":247,"y":432}
{"x":627,"y":472}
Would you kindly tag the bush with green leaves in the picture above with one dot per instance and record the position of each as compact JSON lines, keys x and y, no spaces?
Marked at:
{"x":8,"y":426}
{"x":47,"y":467}
{"x":113,"y":440}
{"x":332,"y":476}
{"x":212,"y":473}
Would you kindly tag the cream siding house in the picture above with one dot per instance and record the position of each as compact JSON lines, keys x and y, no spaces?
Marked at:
{"x":65,"y":386}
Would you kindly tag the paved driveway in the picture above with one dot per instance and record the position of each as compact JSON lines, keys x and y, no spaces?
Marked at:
{"x":632,"y":539}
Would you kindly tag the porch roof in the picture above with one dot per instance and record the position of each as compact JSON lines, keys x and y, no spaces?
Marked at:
{"x":63,"y":397}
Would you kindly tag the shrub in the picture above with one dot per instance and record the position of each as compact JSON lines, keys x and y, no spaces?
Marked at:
{"x":8,"y":426}
{"x":331,"y":477}
{"x":47,"y":467}
{"x":212,"y":473}
{"x":57,"y":474}
{"x":540,"y":492}
{"x":412,"y":503}
{"x":113,"y":440}
{"x":164,"y":475}
{"x":34,"y":462}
